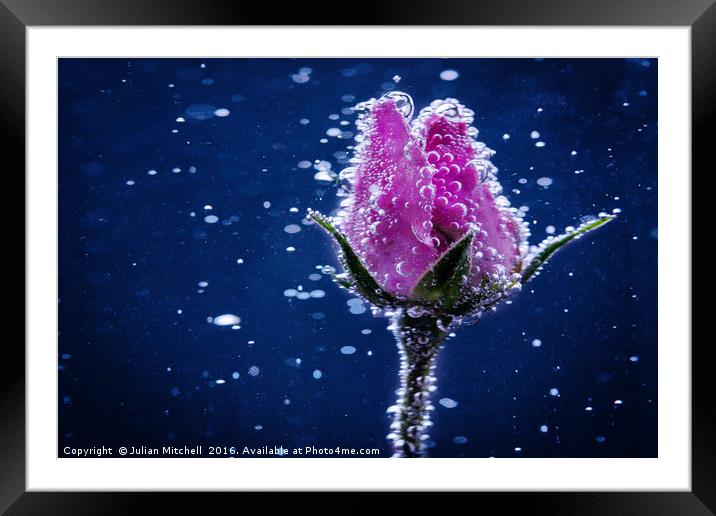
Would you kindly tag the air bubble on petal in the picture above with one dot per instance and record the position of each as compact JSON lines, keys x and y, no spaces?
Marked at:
{"x":450,"y":111}
{"x":427,"y":192}
{"x":404,"y":268}
{"x":403,"y":102}
{"x":460,"y":208}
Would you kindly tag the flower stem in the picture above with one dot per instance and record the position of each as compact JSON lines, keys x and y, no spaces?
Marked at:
{"x":419,"y":339}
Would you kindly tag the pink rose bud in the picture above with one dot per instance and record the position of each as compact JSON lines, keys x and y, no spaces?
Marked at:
{"x":420,"y":188}
{"x":425,"y":221}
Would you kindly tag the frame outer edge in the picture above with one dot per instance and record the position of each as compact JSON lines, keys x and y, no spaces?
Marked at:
{"x":703,"y":98}
{"x":12,"y":101}
{"x":12,"y":133}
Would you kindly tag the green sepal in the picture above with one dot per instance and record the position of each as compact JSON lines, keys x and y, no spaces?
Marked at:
{"x":360,"y":278}
{"x":443,"y":283}
{"x":552,"y":245}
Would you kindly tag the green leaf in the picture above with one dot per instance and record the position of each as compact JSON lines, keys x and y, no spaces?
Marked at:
{"x":552,"y":245}
{"x":444,"y":281}
{"x":361,"y":278}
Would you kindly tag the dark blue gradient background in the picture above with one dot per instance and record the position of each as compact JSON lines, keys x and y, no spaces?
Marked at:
{"x":134,"y":371}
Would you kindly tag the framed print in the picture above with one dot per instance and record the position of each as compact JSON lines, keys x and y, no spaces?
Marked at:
{"x":267,"y":256}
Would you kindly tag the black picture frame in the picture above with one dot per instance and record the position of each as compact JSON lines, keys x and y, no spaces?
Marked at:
{"x":17,"y":15}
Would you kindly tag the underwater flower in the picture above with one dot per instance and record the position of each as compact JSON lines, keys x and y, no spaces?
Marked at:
{"x":427,"y":238}
{"x":420,"y":188}
{"x":425,"y":215}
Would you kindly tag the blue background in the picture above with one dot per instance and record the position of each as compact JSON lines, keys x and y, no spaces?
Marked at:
{"x":135,"y":371}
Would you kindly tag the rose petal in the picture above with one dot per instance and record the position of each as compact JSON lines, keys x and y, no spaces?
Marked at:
{"x":465,"y":193}
{"x":389,"y":221}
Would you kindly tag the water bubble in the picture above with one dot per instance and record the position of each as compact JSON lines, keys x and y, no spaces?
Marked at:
{"x":554,"y":391}
{"x":200,"y":111}
{"x":536,"y":343}
{"x":235,"y":375}
{"x":222,"y":112}
{"x":254,"y":371}
{"x":448,"y":403}
{"x":404,"y":268}
{"x":449,"y":75}
{"x":543,"y":428}
{"x":348,"y":350}
{"x":534,"y":135}
{"x":450,"y":111}
{"x":358,"y":309}
{"x":300,"y":78}
{"x":545,"y":181}
{"x":460,"y":209}
{"x":292,"y":228}
{"x":211,"y":219}
{"x":317,"y":374}
{"x":226,"y":320}
{"x":460,"y":439}
{"x":403,"y":102}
